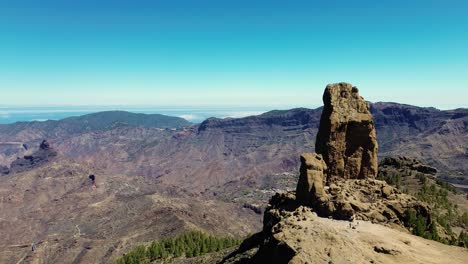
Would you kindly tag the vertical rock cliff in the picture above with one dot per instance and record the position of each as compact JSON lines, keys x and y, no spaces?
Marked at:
{"x":346,"y":137}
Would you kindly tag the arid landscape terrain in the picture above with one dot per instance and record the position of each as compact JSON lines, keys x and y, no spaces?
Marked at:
{"x":158,"y":176}
{"x":233,"y":132}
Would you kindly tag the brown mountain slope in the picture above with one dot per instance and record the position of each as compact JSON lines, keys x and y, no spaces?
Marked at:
{"x":218,"y":152}
{"x":438,"y":138}
{"x":229,"y":151}
{"x":153,"y":182}
{"x":56,"y":207}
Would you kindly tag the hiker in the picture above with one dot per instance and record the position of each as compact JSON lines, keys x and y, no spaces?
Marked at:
{"x":33,"y":247}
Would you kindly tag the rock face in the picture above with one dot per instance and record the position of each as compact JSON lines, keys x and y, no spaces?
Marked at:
{"x":346,"y":136}
{"x":312,"y":179}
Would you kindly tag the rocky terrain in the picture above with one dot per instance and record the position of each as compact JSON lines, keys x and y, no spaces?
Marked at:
{"x":157,"y":176}
{"x":222,"y":153}
{"x":43,"y":155}
{"x":303,"y":237}
{"x":302,"y":226}
{"x":57,"y":207}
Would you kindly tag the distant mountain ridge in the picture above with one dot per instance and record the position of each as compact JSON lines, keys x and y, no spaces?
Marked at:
{"x":226,"y":150}
{"x":92,"y":122}
{"x":297,"y":117}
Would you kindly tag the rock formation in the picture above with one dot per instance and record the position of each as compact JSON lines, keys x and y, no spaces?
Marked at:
{"x":338,"y":183}
{"x":41,"y":156}
{"x":346,"y":136}
{"x":45,"y":145}
{"x":4,"y":170}
{"x":300,"y":236}
{"x":312,"y":179}
{"x":341,"y":185}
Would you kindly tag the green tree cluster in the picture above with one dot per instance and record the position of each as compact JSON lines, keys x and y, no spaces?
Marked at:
{"x":419,"y":226}
{"x":463,"y":239}
{"x":444,"y":212}
{"x":391,"y":178}
{"x":136,"y":256}
{"x":421,"y":177}
{"x":191,"y":244}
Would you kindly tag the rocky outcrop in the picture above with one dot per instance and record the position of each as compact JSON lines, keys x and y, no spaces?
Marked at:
{"x":312,"y":179}
{"x":337,"y":183}
{"x":341,"y":185}
{"x":346,"y":136}
{"x":405,"y":163}
{"x":4,"y":170}
{"x":368,"y":199}
{"x":301,"y":236}
{"x":44,"y":154}
{"x":45,"y":145}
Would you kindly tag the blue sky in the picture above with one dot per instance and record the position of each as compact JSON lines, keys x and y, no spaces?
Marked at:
{"x":231,"y":53}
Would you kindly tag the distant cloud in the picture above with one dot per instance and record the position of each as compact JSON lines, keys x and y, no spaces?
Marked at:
{"x":189,"y":117}
{"x":4,"y":115}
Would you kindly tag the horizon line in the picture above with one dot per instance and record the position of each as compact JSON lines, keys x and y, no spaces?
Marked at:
{"x":202,"y":106}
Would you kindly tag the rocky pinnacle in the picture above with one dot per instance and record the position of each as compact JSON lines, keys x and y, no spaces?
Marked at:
{"x":346,"y":138}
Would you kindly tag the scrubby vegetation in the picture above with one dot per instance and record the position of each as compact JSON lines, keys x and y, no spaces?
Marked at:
{"x":446,"y":185}
{"x":463,"y":239}
{"x":433,"y":191}
{"x":391,"y":178}
{"x":190,"y":244}
{"x":417,"y":224}
{"x":421,"y":177}
{"x":445,"y":213}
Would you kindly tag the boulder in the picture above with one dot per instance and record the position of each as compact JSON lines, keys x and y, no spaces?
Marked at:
{"x":4,"y":170}
{"x":346,"y":137}
{"x":44,"y":145}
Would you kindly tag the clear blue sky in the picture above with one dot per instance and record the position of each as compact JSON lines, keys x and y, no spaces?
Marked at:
{"x":255,"y":52}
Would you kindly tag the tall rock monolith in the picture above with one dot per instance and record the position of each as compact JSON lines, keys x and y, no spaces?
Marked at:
{"x":346,"y":138}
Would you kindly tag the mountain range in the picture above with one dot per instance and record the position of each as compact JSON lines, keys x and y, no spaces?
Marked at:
{"x":157,"y":175}
{"x":220,"y":151}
